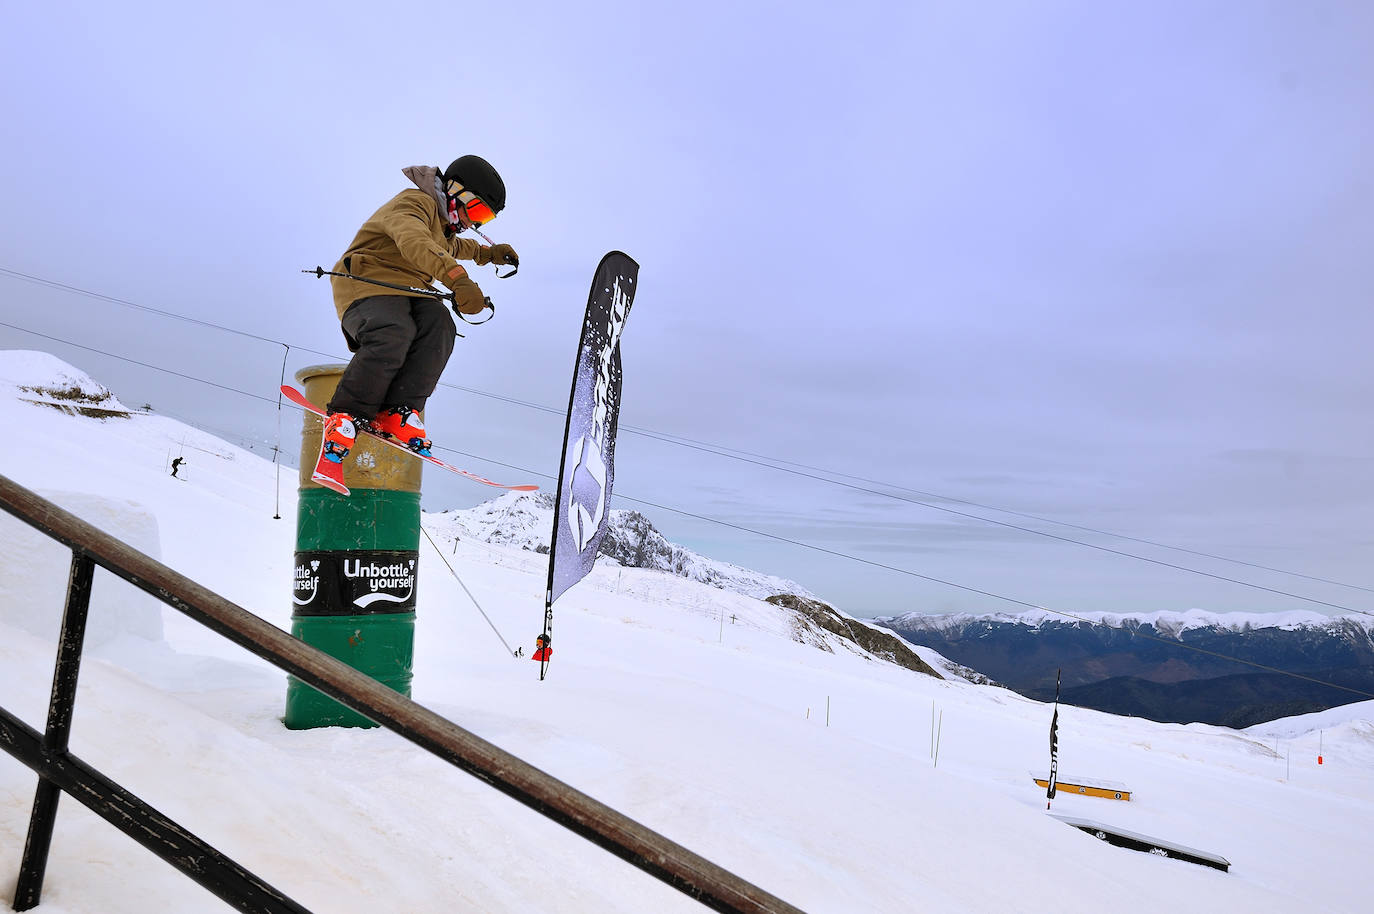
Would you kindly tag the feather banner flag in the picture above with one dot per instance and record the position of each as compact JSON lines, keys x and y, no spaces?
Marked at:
{"x":587,"y":472}
{"x":1054,"y":744}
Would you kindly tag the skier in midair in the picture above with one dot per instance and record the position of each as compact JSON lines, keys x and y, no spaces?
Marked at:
{"x":400,"y":343}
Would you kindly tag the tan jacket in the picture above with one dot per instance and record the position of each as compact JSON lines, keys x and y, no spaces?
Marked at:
{"x":403,"y":243}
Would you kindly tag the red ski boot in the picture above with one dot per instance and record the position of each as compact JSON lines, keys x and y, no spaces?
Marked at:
{"x":335,"y":443}
{"x":404,"y":425}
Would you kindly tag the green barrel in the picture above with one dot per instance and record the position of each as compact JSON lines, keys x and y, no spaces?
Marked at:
{"x":357,"y":564}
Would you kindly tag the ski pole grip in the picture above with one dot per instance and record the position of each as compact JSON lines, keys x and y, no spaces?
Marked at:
{"x":486,"y":300}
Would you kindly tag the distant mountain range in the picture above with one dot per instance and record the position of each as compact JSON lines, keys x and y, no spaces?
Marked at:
{"x":1168,"y":666}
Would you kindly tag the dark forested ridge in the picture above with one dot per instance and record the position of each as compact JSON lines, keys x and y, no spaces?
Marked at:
{"x":1145,"y":668}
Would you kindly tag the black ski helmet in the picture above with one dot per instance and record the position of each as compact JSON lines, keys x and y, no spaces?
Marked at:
{"x":476,"y":174}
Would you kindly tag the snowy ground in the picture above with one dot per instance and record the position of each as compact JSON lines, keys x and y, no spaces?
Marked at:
{"x":715,"y":735}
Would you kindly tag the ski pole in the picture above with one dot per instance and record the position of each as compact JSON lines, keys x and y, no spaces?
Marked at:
{"x":321,"y":272}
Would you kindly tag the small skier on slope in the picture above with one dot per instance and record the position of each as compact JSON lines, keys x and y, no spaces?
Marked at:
{"x":400,"y":343}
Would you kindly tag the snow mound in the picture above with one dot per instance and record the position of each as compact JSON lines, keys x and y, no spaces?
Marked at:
{"x":34,"y":570}
{"x":39,"y":377}
{"x":1359,"y":715}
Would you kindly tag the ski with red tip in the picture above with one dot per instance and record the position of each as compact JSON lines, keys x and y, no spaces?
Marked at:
{"x":329,"y":474}
{"x":328,"y":470}
{"x":328,"y":480}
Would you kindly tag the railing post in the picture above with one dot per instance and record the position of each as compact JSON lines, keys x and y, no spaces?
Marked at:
{"x":357,"y":559}
{"x":61,"y":707}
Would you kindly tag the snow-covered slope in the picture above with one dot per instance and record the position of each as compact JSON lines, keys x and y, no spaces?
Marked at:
{"x":524,"y":519}
{"x":688,"y":707}
{"x":1358,"y":717}
{"x":42,"y":379}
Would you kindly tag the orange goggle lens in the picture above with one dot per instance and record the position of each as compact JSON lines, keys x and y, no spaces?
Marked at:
{"x":478,"y":212}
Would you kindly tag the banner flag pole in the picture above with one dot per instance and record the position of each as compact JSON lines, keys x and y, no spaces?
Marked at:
{"x":586,"y":472}
{"x":1054,"y":743}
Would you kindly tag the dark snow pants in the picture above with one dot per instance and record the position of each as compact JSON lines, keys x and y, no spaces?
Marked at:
{"x":400,"y":347}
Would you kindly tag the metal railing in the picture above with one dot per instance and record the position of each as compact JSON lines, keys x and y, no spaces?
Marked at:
{"x":58,"y":771}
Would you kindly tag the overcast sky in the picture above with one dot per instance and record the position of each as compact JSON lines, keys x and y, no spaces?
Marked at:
{"x":1108,"y":264}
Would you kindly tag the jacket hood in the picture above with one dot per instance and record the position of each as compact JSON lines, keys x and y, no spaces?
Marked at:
{"x":430,"y":180}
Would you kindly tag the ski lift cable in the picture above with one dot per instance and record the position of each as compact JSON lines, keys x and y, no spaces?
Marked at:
{"x":122,"y":358}
{"x":1065,"y":539}
{"x":997,"y":596}
{"x":439,"y":552}
{"x":721,"y":450}
{"x":798,"y":543}
{"x":738,"y":455}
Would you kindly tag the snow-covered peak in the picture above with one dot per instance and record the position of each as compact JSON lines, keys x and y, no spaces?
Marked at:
{"x":525,"y":520}
{"x":1166,"y":622}
{"x":43,"y":378}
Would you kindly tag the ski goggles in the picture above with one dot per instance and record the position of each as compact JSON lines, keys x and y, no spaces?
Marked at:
{"x":478,"y":211}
